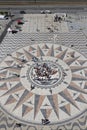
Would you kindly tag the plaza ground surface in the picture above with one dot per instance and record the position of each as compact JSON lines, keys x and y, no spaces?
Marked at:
{"x":43,"y":73}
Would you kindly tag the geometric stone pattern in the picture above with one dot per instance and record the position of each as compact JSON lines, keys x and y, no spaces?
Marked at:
{"x":44,"y":81}
{"x":7,"y":123}
{"x":25,"y":95}
{"x":13,"y":42}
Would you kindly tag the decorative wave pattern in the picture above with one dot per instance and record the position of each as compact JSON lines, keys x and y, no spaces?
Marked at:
{"x":6,"y":123}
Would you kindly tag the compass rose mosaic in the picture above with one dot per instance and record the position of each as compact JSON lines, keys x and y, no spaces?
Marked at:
{"x":44,"y":81}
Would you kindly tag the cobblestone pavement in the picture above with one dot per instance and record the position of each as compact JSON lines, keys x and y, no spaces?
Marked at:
{"x":43,"y":75}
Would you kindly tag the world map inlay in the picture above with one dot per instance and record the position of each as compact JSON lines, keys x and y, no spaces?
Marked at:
{"x":45,"y":74}
{"x":44,"y":81}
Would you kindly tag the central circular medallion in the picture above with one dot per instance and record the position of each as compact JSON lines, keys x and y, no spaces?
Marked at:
{"x":45,"y":74}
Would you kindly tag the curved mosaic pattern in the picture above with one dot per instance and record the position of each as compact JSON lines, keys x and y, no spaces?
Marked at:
{"x":44,"y":81}
{"x":7,"y":124}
